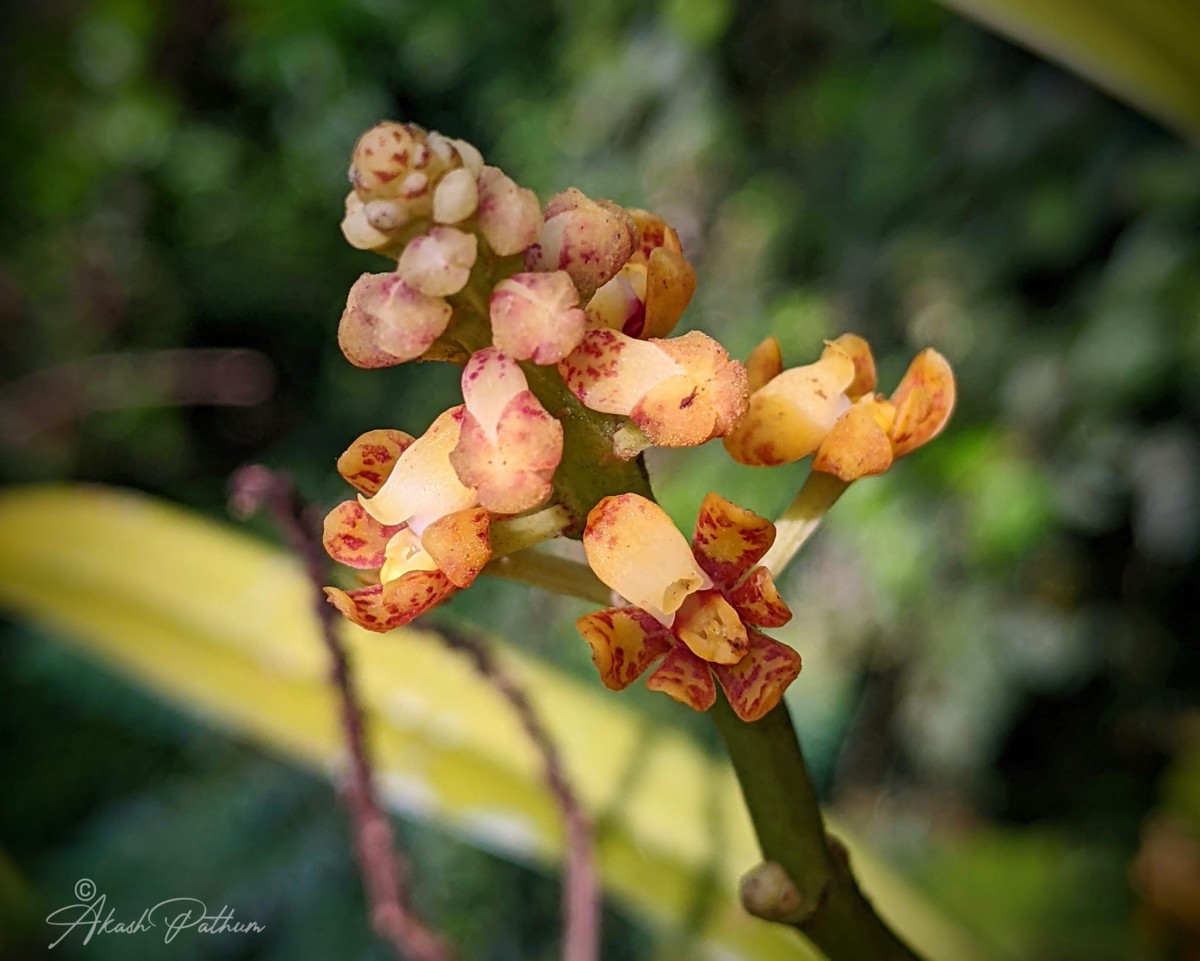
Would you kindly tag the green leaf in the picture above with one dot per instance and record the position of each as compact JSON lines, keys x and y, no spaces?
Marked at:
{"x":1145,"y":51}
{"x":223,"y":626}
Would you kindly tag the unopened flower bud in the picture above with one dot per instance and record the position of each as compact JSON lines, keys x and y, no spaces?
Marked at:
{"x":536,"y":317}
{"x":387,"y":322}
{"x":438,"y":263}
{"x":455,"y":197}
{"x":590,"y":239}
{"x":510,"y":217}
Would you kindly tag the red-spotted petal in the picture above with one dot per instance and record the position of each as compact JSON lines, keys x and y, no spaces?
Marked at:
{"x":354,"y":538}
{"x":368,"y":462}
{"x":460,"y":544}
{"x":624,"y":642}
{"x":384,"y":607}
{"x":685,"y":677}
{"x":757,"y":600}
{"x":755,"y":684}
{"x":729,"y":539}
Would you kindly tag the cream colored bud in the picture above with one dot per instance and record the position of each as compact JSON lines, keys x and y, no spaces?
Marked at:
{"x":455,"y":197}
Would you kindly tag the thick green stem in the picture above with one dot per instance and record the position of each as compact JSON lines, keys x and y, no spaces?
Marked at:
{"x":779,"y":795}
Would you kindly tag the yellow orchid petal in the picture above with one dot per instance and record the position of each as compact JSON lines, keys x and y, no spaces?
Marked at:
{"x":423,"y":485}
{"x":755,"y":684}
{"x":790,"y":416}
{"x":711,"y":628}
{"x":670,"y":286}
{"x":510,"y":217}
{"x":404,"y":554}
{"x":703,"y":401}
{"x":634,"y":548}
{"x":858,"y":446}
{"x":859,"y":352}
{"x":729,"y":540}
{"x":923,"y":401}
{"x":686,"y":678}
{"x":438,"y":263}
{"x":460,"y":544}
{"x":353,"y":537}
{"x":765,"y":363}
{"x":368,"y":462}
{"x":624,"y":642}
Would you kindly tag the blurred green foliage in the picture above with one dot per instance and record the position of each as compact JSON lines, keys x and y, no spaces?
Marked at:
{"x":999,"y":636}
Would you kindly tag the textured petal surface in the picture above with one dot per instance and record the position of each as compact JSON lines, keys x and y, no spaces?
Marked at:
{"x":790,"y":416}
{"x":455,"y":197}
{"x":858,"y":446}
{"x":383,"y":607}
{"x":705,"y":400}
{"x":758,"y":602}
{"x":423,"y":485}
{"x":438,"y":263}
{"x":387,"y":322}
{"x":729,"y":540}
{"x":535,"y":316}
{"x":924,"y":402}
{"x":460,"y":544}
{"x":711,"y":628}
{"x":755,"y":684}
{"x":368,"y":462}
{"x":611,"y":372}
{"x":509,"y":447}
{"x":510,"y":217}
{"x":624,"y":642}
{"x":590,"y":239}
{"x":635,"y":548}
{"x":683,"y":676}
{"x":353,"y":537}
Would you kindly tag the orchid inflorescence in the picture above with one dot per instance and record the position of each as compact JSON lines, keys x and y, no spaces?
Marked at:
{"x":559,"y":318}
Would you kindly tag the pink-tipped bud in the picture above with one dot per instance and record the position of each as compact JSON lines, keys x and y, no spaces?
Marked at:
{"x":438,"y":263}
{"x":509,"y":447}
{"x":510,"y":217}
{"x":590,"y":239}
{"x":536,"y":317}
{"x":387,"y":322}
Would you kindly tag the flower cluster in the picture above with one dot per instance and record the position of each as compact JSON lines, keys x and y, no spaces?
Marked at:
{"x":558,"y":318}
{"x":561,"y":319}
{"x":829,"y":408}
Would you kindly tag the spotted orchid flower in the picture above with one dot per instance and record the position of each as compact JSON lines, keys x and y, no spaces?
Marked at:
{"x":680,"y":392}
{"x":509,"y":447}
{"x":830,"y":409}
{"x":590,"y":239}
{"x":694,"y":607}
{"x":651,"y":291}
{"x":418,"y":528}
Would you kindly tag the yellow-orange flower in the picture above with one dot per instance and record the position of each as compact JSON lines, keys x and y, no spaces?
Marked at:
{"x":696,"y":607}
{"x":829,"y":408}
{"x":418,"y":528}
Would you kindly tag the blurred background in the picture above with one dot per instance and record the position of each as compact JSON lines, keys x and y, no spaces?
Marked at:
{"x":1002,"y":663}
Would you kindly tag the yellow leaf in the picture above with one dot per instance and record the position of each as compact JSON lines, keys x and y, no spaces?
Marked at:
{"x":1145,"y":51}
{"x":223,"y":626}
